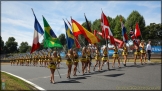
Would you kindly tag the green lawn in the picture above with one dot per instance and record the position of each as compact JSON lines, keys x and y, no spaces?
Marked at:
{"x":13,"y":83}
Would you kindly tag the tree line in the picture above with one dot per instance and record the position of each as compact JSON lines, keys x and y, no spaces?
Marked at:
{"x":152,"y":31}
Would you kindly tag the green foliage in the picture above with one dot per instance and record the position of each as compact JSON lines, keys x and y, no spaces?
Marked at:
{"x":62,"y":39}
{"x":24,"y":47}
{"x":132,"y":19}
{"x":2,"y":45}
{"x":11,"y":45}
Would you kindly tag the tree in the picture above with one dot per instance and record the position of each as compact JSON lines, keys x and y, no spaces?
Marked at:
{"x":11,"y":45}
{"x":23,"y":47}
{"x":2,"y":45}
{"x":116,"y":26}
{"x":132,"y":19}
{"x":62,"y":39}
{"x":29,"y":49}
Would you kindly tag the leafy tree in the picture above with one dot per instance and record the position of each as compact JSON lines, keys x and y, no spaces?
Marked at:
{"x":11,"y":45}
{"x":23,"y":47}
{"x":2,"y":45}
{"x":132,"y":19}
{"x":29,"y":49}
{"x":62,"y":39}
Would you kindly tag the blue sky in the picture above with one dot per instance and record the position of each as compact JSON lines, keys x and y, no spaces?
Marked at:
{"x":17,"y":19}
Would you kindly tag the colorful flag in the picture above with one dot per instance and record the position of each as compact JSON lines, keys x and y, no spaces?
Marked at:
{"x":124,"y":33}
{"x":69,"y":36}
{"x":50,"y":39}
{"x":38,"y":30}
{"x":106,"y":29}
{"x":133,"y":37}
{"x":78,"y":29}
{"x":137,"y":30}
{"x":75,"y":37}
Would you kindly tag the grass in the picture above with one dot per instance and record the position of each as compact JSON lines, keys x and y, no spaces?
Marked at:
{"x":13,"y":83}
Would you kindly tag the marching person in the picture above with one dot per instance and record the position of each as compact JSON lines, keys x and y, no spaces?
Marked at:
{"x":115,"y":56}
{"x":52,"y":65}
{"x":143,"y":51}
{"x":88,"y":58}
{"x":148,"y":49}
{"x":59,"y":60}
{"x":98,"y":59}
{"x":69,"y":61}
{"x":125,"y":53}
{"x":105,"y":58}
{"x":83,"y":59}
{"x":136,"y":53}
{"x":76,"y":60}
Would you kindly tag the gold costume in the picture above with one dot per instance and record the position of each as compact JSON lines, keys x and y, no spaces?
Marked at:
{"x":88,"y":57}
{"x":97,"y":57}
{"x":104,"y":58}
{"x":137,"y":52}
{"x":53,"y":62}
{"x":69,"y":60}
{"x":124,"y":53}
{"x":76,"y":59}
{"x":143,"y":51}
{"x":59,"y":59}
{"x":83,"y":59}
{"x":115,"y":53}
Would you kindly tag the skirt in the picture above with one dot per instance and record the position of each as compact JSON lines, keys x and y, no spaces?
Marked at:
{"x":98,"y":58}
{"x":83,"y":59}
{"x":69,"y":62}
{"x":143,"y":51}
{"x":76,"y":60}
{"x":124,"y":53}
{"x":104,"y":58}
{"x":52,"y":66}
{"x":137,"y":53}
{"x":115,"y":55}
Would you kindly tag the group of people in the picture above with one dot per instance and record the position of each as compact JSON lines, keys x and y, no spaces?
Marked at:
{"x":52,"y":60}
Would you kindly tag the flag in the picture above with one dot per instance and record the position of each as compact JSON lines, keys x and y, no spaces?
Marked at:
{"x":37,"y":30}
{"x":124,"y":33}
{"x":106,"y":28}
{"x":69,"y":36}
{"x":75,"y":37}
{"x":78,"y":29}
{"x":133,"y":37}
{"x":137,"y":30}
{"x":88,"y":28}
{"x":50,"y":38}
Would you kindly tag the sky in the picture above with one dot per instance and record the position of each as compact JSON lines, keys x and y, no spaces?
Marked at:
{"x":17,"y":19}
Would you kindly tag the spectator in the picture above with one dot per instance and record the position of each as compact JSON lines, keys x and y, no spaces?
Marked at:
{"x":148,"y":49}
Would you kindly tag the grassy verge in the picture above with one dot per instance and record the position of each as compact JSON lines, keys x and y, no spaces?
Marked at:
{"x":13,"y":83}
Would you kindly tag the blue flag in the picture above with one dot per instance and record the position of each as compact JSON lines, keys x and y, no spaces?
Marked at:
{"x":69,"y":36}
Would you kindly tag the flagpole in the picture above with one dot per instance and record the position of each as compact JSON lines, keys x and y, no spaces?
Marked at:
{"x":106,"y":41}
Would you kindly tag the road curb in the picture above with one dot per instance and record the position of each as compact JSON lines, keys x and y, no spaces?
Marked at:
{"x":36,"y":86}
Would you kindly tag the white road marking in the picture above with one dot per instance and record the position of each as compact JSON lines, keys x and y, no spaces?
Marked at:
{"x":36,"y":86}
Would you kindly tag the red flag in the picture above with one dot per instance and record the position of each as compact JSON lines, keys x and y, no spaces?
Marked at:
{"x":137,"y":30}
{"x":106,"y":28}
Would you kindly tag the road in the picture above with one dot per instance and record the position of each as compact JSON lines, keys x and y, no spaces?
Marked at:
{"x":132,"y":77}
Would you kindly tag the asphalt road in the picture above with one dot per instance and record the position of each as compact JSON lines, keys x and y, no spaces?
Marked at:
{"x":132,"y":77}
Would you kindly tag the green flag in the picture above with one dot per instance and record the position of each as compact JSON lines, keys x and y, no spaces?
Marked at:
{"x":50,"y":39}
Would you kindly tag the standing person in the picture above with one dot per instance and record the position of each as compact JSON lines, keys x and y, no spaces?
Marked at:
{"x":59,"y":60}
{"x":125,"y":53}
{"x":88,"y":57}
{"x":105,"y":58}
{"x":83,"y":59}
{"x":69,"y":61}
{"x":148,"y":49}
{"x":143,"y":51}
{"x":136,"y":53}
{"x":52,"y":65}
{"x":98,"y":59}
{"x":76,"y":60}
{"x":115,"y":56}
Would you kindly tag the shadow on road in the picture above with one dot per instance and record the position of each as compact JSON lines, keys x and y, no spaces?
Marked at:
{"x":70,"y":81}
{"x":114,"y":75}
